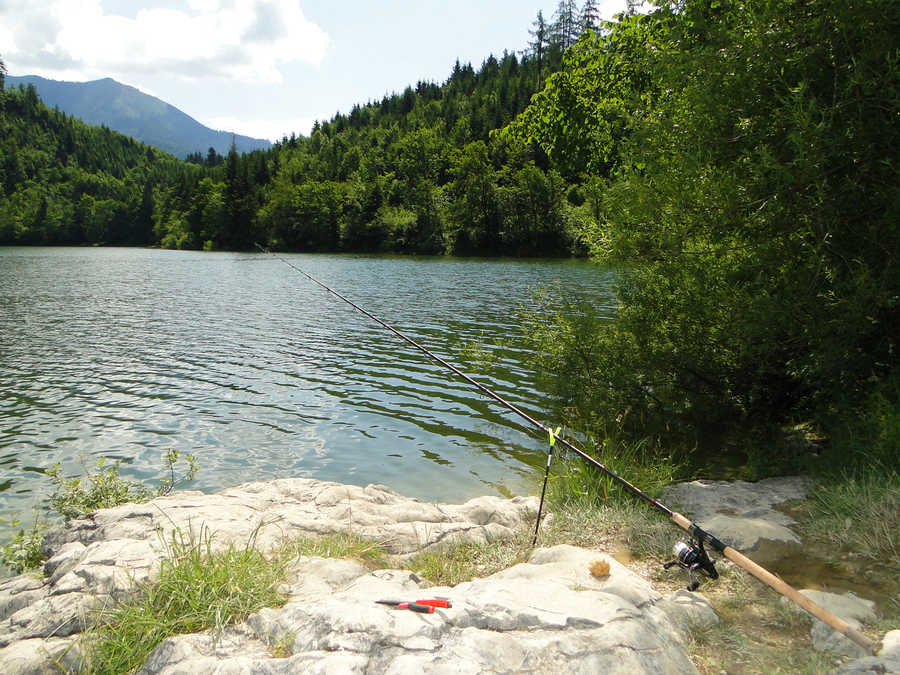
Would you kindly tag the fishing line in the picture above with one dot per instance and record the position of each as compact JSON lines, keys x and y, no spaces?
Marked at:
{"x":691,"y":557}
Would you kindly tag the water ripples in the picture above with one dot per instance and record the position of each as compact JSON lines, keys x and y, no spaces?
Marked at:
{"x":236,"y":358}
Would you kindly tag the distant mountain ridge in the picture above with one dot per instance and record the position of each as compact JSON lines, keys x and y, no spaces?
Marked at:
{"x":134,"y":113}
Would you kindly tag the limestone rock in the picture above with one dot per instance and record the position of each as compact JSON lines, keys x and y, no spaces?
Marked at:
{"x":548,"y":615}
{"x":96,"y":559}
{"x":19,"y":592}
{"x":38,"y":656}
{"x":854,"y":610}
{"x":890,"y":646}
{"x":297,"y":506}
{"x":887,"y":662}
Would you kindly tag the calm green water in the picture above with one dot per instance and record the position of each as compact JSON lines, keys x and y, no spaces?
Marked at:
{"x":261,"y":374}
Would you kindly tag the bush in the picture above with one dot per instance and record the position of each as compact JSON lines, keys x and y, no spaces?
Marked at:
{"x":80,"y":495}
{"x":77,"y":496}
{"x":23,"y":552}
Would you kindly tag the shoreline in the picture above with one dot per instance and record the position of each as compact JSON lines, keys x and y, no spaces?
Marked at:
{"x":100,"y":559}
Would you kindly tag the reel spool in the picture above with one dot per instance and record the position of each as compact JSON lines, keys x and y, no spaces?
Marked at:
{"x":693,"y":559}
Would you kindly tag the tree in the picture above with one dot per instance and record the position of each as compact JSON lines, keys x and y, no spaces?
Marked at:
{"x":538,"y":46}
{"x":474,"y":212}
{"x":753,"y":202}
{"x":240,"y":207}
{"x":565,"y":28}
{"x":589,"y":19}
{"x":213,"y":158}
{"x":2,"y":74}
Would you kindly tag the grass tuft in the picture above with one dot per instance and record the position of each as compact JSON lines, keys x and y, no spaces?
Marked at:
{"x":574,"y":481}
{"x":859,"y":513}
{"x":337,"y":545}
{"x":456,"y":564}
{"x":198,"y":588}
{"x":205,"y":587}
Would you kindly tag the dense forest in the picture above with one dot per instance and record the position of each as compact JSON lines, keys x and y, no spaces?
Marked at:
{"x":417,"y":171}
{"x":737,"y":160}
{"x":741,"y":160}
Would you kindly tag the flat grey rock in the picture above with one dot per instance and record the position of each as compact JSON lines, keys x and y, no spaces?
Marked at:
{"x":543,"y":616}
{"x":743,"y":514}
{"x":548,"y":615}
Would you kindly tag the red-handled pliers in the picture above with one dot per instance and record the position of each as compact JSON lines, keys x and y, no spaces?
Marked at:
{"x":423,"y":606}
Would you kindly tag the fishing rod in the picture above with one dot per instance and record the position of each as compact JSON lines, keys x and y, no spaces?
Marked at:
{"x":691,"y":557}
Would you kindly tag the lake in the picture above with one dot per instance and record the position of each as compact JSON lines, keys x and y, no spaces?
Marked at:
{"x":240,"y":360}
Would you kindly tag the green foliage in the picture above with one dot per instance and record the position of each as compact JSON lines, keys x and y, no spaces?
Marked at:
{"x":74,"y":497}
{"x":23,"y":552}
{"x":866,"y":439}
{"x":743,"y":169}
{"x":80,"y":495}
{"x":200,"y":587}
{"x":105,"y":488}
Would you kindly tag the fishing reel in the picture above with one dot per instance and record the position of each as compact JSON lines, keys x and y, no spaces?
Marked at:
{"x":694,"y":559}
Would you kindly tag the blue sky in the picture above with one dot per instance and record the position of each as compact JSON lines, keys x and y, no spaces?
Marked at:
{"x":263,"y":68}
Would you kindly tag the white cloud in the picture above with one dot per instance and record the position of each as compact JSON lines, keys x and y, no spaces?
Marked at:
{"x":274,"y":130}
{"x":246,"y":40}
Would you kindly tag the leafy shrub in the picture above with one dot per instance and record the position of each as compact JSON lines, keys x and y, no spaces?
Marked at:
{"x":77,"y":496}
{"x":23,"y":552}
{"x":80,"y":495}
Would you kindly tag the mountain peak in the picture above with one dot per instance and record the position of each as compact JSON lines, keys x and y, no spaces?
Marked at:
{"x":130,"y":111}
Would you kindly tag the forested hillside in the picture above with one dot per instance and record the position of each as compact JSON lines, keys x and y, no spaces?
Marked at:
{"x":418,"y":171}
{"x":64,"y":182}
{"x":414,"y":172}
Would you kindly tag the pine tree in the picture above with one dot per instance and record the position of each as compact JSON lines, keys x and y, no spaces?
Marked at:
{"x":590,"y":16}
{"x":565,"y":29}
{"x":538,"y":46}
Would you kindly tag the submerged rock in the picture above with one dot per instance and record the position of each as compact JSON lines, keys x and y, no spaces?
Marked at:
{"x":742,"y":514}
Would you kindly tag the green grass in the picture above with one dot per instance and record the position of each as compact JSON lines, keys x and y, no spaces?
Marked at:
{"x":575,"y":481}
{"x":859,"y":513}
{"x":198,"y":588}
{"x":337,"y":545}
{"x":202,"y":587}
{"x":463,"y":562}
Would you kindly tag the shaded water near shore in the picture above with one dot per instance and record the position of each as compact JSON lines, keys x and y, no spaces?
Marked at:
{"x":236,"y":358}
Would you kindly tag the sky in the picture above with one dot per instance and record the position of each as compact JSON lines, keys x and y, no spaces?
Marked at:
{"x":263,"y":68}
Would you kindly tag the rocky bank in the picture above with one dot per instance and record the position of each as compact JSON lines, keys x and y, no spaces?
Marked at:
{"x":550,"y":614}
